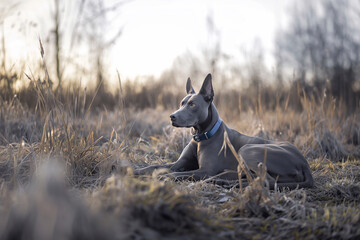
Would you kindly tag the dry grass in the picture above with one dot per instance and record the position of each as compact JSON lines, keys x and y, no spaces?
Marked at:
{"x":66,"y":171}
{"x":58,"y":166}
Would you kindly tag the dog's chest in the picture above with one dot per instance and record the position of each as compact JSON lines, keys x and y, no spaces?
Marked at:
{"x":209,"y":154}
{"x":212,"y":155}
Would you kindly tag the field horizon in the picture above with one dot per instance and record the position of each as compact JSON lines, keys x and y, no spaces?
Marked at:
{"x":63,"y":158}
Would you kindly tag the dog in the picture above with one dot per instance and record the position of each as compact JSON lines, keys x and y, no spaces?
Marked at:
{"x":205,"y":157}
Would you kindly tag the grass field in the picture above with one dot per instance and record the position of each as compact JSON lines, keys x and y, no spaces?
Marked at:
{"x":71,"y":135}
{"x":66,"y":173}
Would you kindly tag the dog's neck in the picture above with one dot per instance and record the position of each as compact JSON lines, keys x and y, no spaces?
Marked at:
{"x":210,"y":121}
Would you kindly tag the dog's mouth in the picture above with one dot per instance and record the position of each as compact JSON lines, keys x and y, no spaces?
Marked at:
{"x":175,"y":124}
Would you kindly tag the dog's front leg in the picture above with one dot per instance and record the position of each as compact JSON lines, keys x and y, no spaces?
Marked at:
{"x":187,"y":161}
{"x":195,"y":175}
{"x":150,"y":169}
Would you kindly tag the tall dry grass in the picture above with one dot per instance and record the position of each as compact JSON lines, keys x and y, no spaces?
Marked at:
{"x":66,"y":161}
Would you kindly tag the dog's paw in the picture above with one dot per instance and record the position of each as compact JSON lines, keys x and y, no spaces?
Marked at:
{"x":162,"y":174}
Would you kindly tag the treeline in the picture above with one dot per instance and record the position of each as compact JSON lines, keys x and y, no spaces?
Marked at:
{"x":317,"y":58}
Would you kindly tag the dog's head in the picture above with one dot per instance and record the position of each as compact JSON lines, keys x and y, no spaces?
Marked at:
{"x":194,"y":108}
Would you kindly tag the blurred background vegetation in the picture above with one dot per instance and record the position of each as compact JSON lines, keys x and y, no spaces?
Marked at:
{"x":317,"y":54}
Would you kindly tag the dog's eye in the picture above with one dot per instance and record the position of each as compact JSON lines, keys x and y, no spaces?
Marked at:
{"x":191,"y":104}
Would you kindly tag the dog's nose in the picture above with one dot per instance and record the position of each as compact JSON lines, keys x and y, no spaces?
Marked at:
{"x":172,"y":117}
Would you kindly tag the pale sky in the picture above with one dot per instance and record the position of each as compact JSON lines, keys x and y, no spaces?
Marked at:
{"x":157,"y":31}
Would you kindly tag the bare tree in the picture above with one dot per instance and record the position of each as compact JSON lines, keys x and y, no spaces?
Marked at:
{"x":57,"y":44}
{"x":7,"y":78}
{"x":81,"y":24}
{"x":95,"y":23}
{"x":322,"y":43}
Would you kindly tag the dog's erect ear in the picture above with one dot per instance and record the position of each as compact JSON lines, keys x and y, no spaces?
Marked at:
{"x":207,"y":89}
{"x":189,"y":88}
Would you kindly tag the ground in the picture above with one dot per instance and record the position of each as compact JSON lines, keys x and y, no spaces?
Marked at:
{"x":68,"y":174}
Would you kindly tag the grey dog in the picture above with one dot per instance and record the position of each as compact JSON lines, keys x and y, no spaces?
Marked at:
{"x":204,"y":156}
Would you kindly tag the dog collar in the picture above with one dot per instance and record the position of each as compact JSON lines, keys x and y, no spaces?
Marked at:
{"x":208,"y":134}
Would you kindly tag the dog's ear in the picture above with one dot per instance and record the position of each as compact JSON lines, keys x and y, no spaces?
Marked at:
{"x":189,"y":88}
{"x":207,"y":89}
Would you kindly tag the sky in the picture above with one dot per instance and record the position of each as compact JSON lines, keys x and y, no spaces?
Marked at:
{"x":155,"y":32}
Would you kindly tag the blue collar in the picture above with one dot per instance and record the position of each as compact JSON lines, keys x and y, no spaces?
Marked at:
{"x":209,"y":134}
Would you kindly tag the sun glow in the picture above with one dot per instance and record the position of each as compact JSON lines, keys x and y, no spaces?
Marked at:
{"x":155,"y":32}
